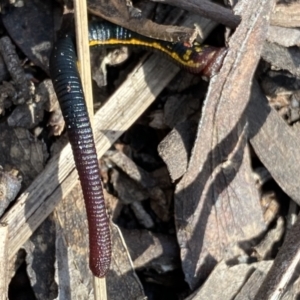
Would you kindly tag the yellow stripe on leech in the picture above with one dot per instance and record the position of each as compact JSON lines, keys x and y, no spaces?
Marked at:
{"x":184,"y":61}
{"x":187,"y":55}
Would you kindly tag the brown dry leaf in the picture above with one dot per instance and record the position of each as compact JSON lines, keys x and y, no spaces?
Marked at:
{"x":216,"y":202}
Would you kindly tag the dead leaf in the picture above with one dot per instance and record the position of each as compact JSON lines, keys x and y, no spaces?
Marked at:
{"x":216,"y":201}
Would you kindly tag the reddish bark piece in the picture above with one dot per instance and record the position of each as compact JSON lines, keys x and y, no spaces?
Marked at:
{"x":216,"y":201}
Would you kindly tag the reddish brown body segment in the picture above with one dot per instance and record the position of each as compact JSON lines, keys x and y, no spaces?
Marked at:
{"x":67,"y":84}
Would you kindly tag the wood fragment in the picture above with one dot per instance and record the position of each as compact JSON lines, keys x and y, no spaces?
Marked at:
{"x":123,"y":268}
{"x":207,"y":9}
{"x":139,"y":185}
{"x":293,"y":288}
{"x":176,"y":147}
{"x":286,"y":15}
{"x":180,"y":108}
{"x":100,"y":288}
{"x":70,"y":278}
{"x":83,"y":52}
{"x":4,"y":261}
{"x":135,"y":172}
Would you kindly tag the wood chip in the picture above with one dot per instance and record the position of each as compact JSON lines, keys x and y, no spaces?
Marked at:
{"x":286,"y":15}
{"x":3,"y":261}
{"x":176,"y":147}
{"x":282,"y":58}
{"x":230,"y":281}
{"x":286,"y":37}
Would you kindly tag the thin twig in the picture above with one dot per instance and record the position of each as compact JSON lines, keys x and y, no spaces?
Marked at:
{"x":83,"y":52}
{"x":3,"y":261}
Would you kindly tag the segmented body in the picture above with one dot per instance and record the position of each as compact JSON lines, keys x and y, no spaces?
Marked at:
{"x":68,"y":87}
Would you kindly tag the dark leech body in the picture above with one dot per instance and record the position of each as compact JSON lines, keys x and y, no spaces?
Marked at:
{"x":67,"y":85}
